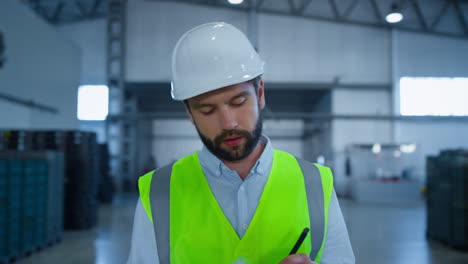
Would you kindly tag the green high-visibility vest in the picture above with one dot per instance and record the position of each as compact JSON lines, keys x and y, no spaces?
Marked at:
{"x":190,"y":227}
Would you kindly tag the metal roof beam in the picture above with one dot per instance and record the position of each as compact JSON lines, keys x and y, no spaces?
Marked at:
{"x":57,"y":11}
{"x":336,"y":14}
{"x":28,"y":103}
{"x":292,"y":7}
{"x":350,"y":9}
{"x":259,"y":4}
{"x":442,"y":12}
{"x":420,"y":15}
{"x":303,"y":7}
{"x":300,"y":115}
{"x":96,"y":5}
{"x":461,"y":17}
{"x":81,"y":7}
{"x":377,"y":13}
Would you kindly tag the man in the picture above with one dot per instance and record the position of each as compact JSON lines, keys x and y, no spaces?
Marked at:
{"x":237,"y":200}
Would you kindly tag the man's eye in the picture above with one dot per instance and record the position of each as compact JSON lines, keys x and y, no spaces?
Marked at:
{"x":206,"y":111}
{"x":239,"y":101}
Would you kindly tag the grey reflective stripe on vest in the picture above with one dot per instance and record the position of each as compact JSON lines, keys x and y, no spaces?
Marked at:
{"x":159,"y":199}
{"x":315,"y":202}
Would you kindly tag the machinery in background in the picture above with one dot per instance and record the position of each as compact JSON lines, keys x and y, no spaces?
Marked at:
{"x":383,"y":173}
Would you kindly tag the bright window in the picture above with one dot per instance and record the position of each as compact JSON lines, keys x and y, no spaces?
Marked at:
{"x":434,"y":96}
{"x":93,"y":101}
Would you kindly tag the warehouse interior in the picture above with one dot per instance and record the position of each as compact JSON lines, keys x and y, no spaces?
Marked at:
{"x":86,"y":109}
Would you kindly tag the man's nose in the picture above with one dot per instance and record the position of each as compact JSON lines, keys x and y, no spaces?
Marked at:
{"x":228,"y":119}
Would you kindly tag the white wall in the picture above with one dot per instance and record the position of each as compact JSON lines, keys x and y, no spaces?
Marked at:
{"x":91,"y":38}
{"x":297,"y":49}
{"x":153,"y":29}
{"x":430,"y":56}
{"x":41,"y":66}
{"x":346,"y":132}
{"x":285,"y":135}
{"x":173,"y":139}
{"x":419,"y":55}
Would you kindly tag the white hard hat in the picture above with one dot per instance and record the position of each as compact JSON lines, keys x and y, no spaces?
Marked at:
{"x":212,"y":56}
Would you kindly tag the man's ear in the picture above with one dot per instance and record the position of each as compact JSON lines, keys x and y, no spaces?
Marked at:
{"x":261,"y":94}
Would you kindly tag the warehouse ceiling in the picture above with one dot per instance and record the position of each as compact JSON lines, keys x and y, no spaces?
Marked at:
{"x":440,"y":17}
{"x":67,"y":11}
{"x":445,"y":17}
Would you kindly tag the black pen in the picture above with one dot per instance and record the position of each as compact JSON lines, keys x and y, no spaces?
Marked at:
{"x":299,"y":241}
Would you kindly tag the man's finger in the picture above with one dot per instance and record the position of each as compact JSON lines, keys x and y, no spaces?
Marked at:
{"x":296,"y":259}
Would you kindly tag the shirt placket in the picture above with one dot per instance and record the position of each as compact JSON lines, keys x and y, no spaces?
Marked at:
{"x":243,"y":205}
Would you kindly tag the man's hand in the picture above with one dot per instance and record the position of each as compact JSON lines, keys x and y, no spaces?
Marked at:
{"x":297,"y":259}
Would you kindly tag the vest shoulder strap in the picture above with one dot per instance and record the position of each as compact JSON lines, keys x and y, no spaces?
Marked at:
{"x":154,"y":193}
{"x":319,"y":185}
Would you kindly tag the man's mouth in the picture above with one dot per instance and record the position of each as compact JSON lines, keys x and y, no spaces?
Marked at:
{"x":232,"y":141}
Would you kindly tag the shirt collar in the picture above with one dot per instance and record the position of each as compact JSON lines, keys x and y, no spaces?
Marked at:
{"x":216,"y":167}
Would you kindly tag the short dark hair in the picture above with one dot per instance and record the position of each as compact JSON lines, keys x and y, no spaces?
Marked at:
{"x":255,"y":82}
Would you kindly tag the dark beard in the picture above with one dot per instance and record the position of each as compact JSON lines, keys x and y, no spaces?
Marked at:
{"x":236,"y":153}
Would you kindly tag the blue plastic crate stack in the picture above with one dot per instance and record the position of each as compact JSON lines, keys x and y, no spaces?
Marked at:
{"x":84,"y":171}
{"x":447,"y":198}
{"x":31,"y":195}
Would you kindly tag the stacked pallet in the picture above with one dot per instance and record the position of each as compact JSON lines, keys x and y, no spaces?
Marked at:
{"x":447,"y":198}
{"x":106,"y":184}
{"x":81,"y":180}
{"x":31,"y":195}
{"x":81,"y":170}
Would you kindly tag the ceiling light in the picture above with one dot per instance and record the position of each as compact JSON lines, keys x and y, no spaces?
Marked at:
{"x":235,"y":2}
{"x":395,"y":15}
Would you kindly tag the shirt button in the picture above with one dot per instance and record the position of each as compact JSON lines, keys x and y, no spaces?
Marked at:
{"x":245,"y":226}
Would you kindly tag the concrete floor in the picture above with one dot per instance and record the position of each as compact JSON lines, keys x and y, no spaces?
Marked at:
{"x":389,"y":234}
{"x":381,"y":234}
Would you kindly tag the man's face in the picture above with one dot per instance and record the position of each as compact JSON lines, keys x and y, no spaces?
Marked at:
{"x":229,"y":120}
